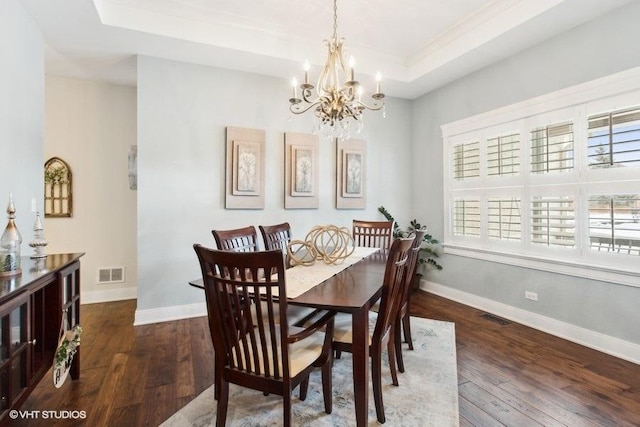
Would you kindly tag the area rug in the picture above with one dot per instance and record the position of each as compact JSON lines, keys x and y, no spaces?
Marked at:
{"x":427,"y":395}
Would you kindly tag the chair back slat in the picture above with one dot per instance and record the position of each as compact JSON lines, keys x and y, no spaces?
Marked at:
{"x":373,"y":234}
{"x":393,"y":285}
{"x":240,"y":289}
{"x":237,"y":240}
{"x":412,"y":266}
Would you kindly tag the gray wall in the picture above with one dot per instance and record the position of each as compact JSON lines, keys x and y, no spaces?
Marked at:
{"x":21,"y":116}
{"x":584,"y":53}
{"x":183,"y":110}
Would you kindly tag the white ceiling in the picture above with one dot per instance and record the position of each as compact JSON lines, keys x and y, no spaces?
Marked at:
{"x":417,"y":45}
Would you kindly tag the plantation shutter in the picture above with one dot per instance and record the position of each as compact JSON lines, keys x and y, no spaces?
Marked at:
{"x":503,"y":155}
{"x":466,"y":217}
{"x":552,"y":148}
{"x":466,"y":160}
{"x":504,"y":219}
{"x":553,"y":221}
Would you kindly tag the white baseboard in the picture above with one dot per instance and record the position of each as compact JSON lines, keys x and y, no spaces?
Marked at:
{"x":93,"y":297}
{"x":166,"y":314}
{"x":607,"y":344}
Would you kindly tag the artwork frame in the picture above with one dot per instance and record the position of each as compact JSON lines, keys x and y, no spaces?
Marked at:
{"x":245,"y":167}
{"x":132,"y":159}
{"x":58,"y":186}
{"x":301,"y":171}
{"x":351,"y":174}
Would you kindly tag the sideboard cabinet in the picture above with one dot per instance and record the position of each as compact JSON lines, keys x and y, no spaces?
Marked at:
{"x":33,"y":306}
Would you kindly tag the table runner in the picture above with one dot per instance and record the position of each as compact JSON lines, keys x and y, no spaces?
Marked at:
{"x":300,"y":279}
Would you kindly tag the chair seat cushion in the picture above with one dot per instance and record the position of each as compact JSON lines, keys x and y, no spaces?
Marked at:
{"x":343,"y":329}
{"x":295,"y":313}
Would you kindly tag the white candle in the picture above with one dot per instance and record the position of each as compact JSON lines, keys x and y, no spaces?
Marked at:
{"x":378,"y":78}
{"x":352,"y":64}
{"x":306,"y":71}
{"x":294,"y":83}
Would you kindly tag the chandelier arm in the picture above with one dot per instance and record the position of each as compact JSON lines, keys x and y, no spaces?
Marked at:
{"x":299,"y":110}
{"x":306,"y":95}
{"x":374,"y":107}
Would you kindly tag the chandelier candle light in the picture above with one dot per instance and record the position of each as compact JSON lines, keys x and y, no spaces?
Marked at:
{"x":338,"y":100}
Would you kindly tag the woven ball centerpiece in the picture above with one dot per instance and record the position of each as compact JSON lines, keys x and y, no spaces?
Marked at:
{"x":330,"y":243}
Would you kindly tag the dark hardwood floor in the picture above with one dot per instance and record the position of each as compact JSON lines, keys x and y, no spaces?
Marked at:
{"x":508,"y":374}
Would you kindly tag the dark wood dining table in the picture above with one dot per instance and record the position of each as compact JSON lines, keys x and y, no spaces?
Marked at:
{"x":353,"y":290}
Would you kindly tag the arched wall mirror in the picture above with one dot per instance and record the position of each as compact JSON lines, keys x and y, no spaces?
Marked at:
{"x":58,"y":201}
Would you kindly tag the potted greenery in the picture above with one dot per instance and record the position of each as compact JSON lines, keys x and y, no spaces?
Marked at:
{"x":428,"y":252}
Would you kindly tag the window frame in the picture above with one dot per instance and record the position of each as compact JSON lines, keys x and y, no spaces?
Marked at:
{"x":575,"y":104}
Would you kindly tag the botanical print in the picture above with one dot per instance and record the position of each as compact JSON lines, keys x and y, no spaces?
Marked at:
{"x":244,"y":169}
{"x":247,"y":168}
{"x":351,"y":176}
{"x":353,"y":167}
{"x":303,"y":171}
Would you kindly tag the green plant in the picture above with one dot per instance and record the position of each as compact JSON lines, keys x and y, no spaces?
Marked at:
{"x":428,"y":252}
{"x":55,"y":175}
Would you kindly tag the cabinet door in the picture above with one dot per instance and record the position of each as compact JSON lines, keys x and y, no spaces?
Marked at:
{"x":69,"y":280}
{"x":45,"y":326}
{"x":15,"y":351}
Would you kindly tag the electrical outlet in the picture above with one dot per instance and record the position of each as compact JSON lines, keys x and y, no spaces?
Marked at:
{"x":531,"y":295}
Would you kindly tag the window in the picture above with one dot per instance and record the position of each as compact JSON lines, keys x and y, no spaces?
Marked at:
{"x":614,"y":223}
{"x":614,"y":139}
{"x":551,"y":183}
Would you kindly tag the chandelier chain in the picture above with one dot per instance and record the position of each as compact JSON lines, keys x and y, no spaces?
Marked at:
{"x":335,"y":19}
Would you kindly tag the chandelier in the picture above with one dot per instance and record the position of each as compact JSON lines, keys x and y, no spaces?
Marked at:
{"x":338,"y":95}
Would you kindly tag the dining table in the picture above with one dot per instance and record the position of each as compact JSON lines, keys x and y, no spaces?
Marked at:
{"x":353,"y":288}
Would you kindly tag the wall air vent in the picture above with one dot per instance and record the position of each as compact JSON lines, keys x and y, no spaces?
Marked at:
{"x":110,"y":275}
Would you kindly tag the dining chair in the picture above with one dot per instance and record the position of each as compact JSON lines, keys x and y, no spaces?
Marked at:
{"x":385,"y":321}
{"x":238,"y":240}
{"x":404,"y":316}
{"x":254,"y":345}
{"x":276,"y":236}
{"x":245,"y":239}
{"x":373,"y":234}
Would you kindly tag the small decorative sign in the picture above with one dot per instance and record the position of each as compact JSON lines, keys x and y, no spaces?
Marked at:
{"x":67,"y":348}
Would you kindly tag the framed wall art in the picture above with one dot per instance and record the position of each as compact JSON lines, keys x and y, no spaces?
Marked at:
{"x":301,"y":173}
{"x":58,"y":183}
{"x":351,"y":174}
{"x":245,"y":168}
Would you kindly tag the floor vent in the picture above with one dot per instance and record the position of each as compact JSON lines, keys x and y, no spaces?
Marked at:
{"x":496,"y":319}
{"x":111,"y":275}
